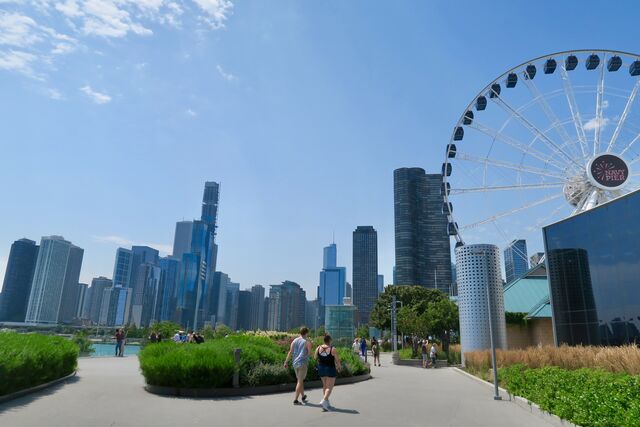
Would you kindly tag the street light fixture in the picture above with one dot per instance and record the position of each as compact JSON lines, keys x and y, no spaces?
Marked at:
{"x":496,"y":395}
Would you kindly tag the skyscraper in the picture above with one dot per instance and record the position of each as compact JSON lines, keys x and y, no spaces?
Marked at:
{"x":516,"y":260}
{"x":98,"y":285}
{"x":231,"y":308}
{"x":122,"y":268}
{"x":217,"y":298}
{"x":169,"y":274}
{"x":421,"y":230}
{"x":244,"y":310}
{"x":536,"y":259}
{"x":380,"y":283}
{"x":17,"y":280}
{"x":331,"y":290}
{"x":257,"y":307}
{"x":365,"y":270}
{"x":55,"y":282}
{"x":81,"y":295}
{"x":287,"y":304}
{"x":182,"y":239}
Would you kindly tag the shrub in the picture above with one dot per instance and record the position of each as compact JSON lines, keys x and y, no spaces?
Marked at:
{"x":84,"y":344}
{"x":454,"y":356}
{"x":269,"y":374}
{"x":27,"y":360}
{"x":586,"y":397}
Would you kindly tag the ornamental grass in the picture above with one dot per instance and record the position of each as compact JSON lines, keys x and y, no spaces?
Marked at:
{"x":624,"y":359}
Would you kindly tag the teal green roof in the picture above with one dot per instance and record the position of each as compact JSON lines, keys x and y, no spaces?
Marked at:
{"x":526,"y":294}
{"x":542,"y":309}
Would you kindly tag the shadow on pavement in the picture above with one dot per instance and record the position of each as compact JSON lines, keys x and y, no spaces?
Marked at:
{"x":26,"y":400}
{"x":334,"y":409}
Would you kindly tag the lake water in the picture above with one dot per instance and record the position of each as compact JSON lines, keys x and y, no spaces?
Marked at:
{"x":102,"y":350}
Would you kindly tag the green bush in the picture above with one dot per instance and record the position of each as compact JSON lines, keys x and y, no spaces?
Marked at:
{"x":27,"y":360}
{"x":84,"y":344}
{"x":269,"y":374}
{"x":586,"y":397}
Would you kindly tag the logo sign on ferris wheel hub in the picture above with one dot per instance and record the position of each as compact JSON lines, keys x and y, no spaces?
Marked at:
{"x":608,"y":171}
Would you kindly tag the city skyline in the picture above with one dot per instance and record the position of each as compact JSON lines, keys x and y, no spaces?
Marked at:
{"x":168,"y":108}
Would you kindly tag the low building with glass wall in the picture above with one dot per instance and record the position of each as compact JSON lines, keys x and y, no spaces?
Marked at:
{"x":593,"y":261}
{"x":340,"y":321}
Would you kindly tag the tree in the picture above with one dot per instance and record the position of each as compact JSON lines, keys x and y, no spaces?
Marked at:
{"x":166,"y":329}
{"x":440,"y":318}
{"x":363,"y":331}
{"x":415,"y":297}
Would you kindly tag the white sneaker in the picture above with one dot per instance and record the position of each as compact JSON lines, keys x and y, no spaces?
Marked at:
{"x":325,"y":405}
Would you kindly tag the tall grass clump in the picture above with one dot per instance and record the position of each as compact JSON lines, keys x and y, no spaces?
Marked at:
{"x":27,"y":360}
{"x":625,"y":359}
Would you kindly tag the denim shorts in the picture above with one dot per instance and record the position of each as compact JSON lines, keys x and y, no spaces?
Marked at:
{"x":327,"y":371}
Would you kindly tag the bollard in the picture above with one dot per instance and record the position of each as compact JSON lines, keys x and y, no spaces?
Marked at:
{"x":236,"y":373}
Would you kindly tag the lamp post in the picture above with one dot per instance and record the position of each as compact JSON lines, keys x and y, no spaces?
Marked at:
{"x":496,"y":395}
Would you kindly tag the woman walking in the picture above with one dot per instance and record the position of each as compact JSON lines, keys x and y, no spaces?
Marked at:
{"x":375,"y":350}
{"x":328,"y":366}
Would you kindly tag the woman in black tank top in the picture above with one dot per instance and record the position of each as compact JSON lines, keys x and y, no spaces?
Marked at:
{"x":328,"y":365}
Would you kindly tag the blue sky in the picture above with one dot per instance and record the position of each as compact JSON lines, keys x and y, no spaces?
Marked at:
{"x":114,"y":113}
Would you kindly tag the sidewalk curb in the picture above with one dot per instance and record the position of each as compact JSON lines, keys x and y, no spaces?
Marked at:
{"x":523,"y":403}
{"x":245,"y":391}
{"x":24,"y":392}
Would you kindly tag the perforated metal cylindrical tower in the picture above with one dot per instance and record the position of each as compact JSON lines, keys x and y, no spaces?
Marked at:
{"x":478,"y":266}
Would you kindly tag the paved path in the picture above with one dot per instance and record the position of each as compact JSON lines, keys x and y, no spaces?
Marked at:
{"x":109,"y":392}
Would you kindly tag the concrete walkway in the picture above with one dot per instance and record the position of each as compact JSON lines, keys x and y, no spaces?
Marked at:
{"x":108,"y":392}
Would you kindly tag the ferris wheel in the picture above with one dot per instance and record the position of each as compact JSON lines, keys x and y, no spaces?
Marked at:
{"x":552,"y":137}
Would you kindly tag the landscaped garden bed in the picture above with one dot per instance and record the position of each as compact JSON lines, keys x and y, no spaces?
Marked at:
{"x":212,"y":364}
{"x":29,"y":360}
{"x":588,"y":386}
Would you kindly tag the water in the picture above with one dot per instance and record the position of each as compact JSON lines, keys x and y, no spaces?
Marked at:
{"x":102,"y":350}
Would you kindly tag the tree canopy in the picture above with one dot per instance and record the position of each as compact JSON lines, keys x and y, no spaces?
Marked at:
{"x":416,"y":298}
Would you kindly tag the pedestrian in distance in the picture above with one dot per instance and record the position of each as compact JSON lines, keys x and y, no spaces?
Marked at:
{"x":425,"y":353}
{"x":363,"y":349}
{"x":328,"y":366}
{"x":299,"y":352}
{"x":119,"y":336}
{"x":123,"y":343}
{"x":433,"y":353}
{"x":375,"y":350}
{"x":356,"y":346}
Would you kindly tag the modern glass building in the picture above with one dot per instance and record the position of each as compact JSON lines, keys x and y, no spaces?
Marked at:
{"x":257,"y":307}
{"x":122,"y":268}
{"x":340,"y":322}
{"x":17,"y":280}
{"x":332,"y":278}
{"x":53,"y":295}
{"x":365,"y":271}
{"x":244,"y":310}
{"x":94,"y":305}
{"x":169,"y":273}
{"x":423,"y":251}
{"x":593,"y":262}
{"x":516,"y":261}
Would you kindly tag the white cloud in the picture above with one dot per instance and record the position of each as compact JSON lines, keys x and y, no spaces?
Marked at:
{"x":596,"y":123}
{"x":123,"y":241}
{"x":225,"y":75}
{"x":95,"y":96}
{"x":216,"y":11}
{"x":54,"y":94}
{"x":190,"y":112}
{"x":18,"y":61}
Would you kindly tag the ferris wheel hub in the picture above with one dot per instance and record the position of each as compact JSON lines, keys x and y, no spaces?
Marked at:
{"x":608,"y":171}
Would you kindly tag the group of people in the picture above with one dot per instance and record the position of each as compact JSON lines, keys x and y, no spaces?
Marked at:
{"x":360,"y":347}
{"x":192,"y":337}
{"x":429,"y":355}
{"x":328,"y":366}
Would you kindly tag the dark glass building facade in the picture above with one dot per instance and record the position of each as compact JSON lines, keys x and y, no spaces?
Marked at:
{"x":516,"y":260}
{"x":365,"y":271}
{"x":593,"y":262}
{"x":423,"y":251}
{"x":17,"y":280}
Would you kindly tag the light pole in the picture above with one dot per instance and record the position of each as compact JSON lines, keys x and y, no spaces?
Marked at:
{"x":496,"y":395}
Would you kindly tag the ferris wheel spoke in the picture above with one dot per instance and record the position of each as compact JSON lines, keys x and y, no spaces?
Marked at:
{"x":575,"y":113}
{"x":623,"y":118}
{"x":553,"y":118}
{"x":553,"y":213}
{"x":599,"y":101}
{"x":522,"y":147}
{"x":456,"y":191}
{"x":532,"y":128}
{"x":507,"y":165}
{"x":512,"y":211}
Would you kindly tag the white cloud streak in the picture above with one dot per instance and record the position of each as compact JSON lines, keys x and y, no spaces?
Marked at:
{"x":596,"y":123}
{"x":123,"y":241}
{"x":95,"y":96}
{"x":225,"y":75}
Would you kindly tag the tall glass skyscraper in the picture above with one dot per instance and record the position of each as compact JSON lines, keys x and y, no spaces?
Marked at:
{"x":257,"y":307}
{"x":53,"y":295}
{"x":169,"y":273}
{"x":423,"y":251}
{"x":331,"y":290}
{"x":516,"y":261}
{"x":365,"y":271}
{"x":122,"y":268}
{"x":17,"y":280}
{"x":93,"y":306}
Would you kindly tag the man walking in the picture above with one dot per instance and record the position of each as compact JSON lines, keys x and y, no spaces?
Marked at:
{"x":119,"y":337}
{"x":299,"y":352}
